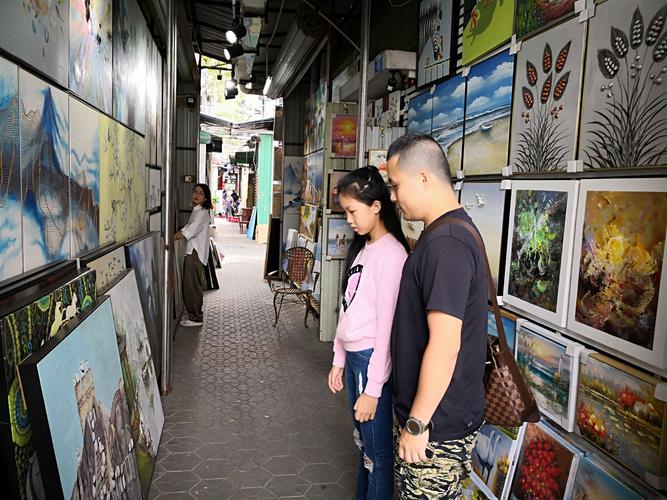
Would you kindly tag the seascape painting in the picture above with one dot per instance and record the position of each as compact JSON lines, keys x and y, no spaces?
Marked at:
{"x":108,"y":268}
{"x":534,"y":15}
{"x":292,"y":176}
{"x":448,"y":116}
{"x":487,"y":25}
{"x":420,"y":113}
{"x":494,"y":457}
{"x":343,"y":136}
{"x":592,"y":481}
{"x":435,"y":40}
{"x":312,"y":182}
{"x":308,"y":221}
{"x":509,"y":325}
{"x":339,"y":238}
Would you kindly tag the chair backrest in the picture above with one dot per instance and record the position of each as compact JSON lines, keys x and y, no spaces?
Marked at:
{"x":246,"y":213}
{"x":298,"y":263}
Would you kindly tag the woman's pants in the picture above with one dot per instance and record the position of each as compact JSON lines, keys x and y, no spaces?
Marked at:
{"x":193,"y":287}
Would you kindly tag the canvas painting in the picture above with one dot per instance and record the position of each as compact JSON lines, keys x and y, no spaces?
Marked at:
{"x":619,"y":295}
{"x":471,"y":489}
{"x":549,"y":364}
{"x":378,"y":158}
{"x":509,"y":324}
{"x":420,"y":113}
{"x":153,"y":85}
{"x":487,"y":25}
{"x":308,"y":221}
{"x":339,"y":238}
{"x":155,"y":222}
{"x":129,"y":65}
{"x":90,"y":47}
{"x":487,"y":116}
{"x":546,"y":99}
{"x":141,"y":388}
{"x":494,"y":458}
{"x":11,"y":249}
{"x":447,"y":124}
{"x":546,"y":465}
{"x":154,"y":188}
{"x":333,"y":199}
{"x":592,"y":481}
{"x":539,"y":247}
{"x":485,"y":204}
{"x":618,"y":412}
{"x":319,"y":116}
{"x":313,"y":178}
{"x":23,"y":332}
{"x":292,"y":175}
{"x":79,"y":392}
{"x":412,"y":230}
{"x":624,"y":119}
{"x":534,"y":15}
{"x":344,"y":136}
{"x":435,"y":40}
{"x":292,"y":239}
{"x":37,"y":32}
{"x":84,"y":179}
{"x":44,"y":122}
{"x":108,"y":268}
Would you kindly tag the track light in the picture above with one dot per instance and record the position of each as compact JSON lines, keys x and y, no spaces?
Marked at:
{"x":267,"y":85}
{"x":219,"y":75}
{"x":237,"y":32}
{"x":231,"y":93}
{"x":233,"y":51}
{"x":392,"y":83}
{"x":230,"y":84}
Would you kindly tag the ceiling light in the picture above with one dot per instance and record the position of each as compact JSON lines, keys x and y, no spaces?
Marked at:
{"x":248,"y":86}
{"x":267,"y":85}
{"x":233,"y":51}
{"x":237,"y":32}
{"x":231,"y":93}
{"x":230,"y":84}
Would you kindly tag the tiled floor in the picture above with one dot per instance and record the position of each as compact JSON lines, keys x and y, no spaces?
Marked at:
{"x":250,"y":415}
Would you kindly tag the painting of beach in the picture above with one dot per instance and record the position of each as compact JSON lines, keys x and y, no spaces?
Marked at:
{"x":420,"y":113}
{"x":447,"y":122}
{"x":592,"y":481}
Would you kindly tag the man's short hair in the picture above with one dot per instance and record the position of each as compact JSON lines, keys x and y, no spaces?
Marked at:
{"x":421,"y":151}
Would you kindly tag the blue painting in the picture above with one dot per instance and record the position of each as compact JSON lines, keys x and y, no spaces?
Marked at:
{"x":312,"y":182}
{"x":487,"y":120}
{"x":420,"y":113}
{"x":11,"y":256}
{"x":592,"y":481}
{"x":44,"y":126}
{"x":509,"y":324}
{"x":447,"y":125}
{"x":292,"y":174}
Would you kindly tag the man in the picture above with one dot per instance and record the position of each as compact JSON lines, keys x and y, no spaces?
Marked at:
{"x":438,"y":350}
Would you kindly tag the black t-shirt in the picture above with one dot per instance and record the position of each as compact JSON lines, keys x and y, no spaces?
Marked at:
{"x":445,"y":273}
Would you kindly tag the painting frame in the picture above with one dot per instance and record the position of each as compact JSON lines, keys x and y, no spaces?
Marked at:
{"x":343,"y":138}
{"x":338,"y":247}
{"x":333,"y":203}
{"x":308,"y":221}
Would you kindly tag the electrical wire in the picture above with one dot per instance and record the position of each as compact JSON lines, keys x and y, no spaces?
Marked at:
{"x":275,"y":27}
{"x":391,"y":3}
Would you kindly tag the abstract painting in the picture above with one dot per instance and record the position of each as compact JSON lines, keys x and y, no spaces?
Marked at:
{"x":23,"y":332}
{"x":618,"y":412}
{"x":90,"y":46}
{"x":447,"y":123}
{"x":11,"y":238}
{"x":37,"y":32}
{"x":308,"y":221}
{"x":79,"y":397}
{"x":43,"y":119}
{"x":435,"y":40}
{"x":624,"y":119}
{"x":312,"y":182}
{"x":420,"y":113}
{"x":344,"y":136}
{"x":292,"y":175}
{"x":592,"y":481}
{"x":129,"y":65}
{"x":154,"y":184}
{"x":333,"y":199}
{"x":487,"y":24}
{"x":618,"y":289}
{"x":546,"y":99}
{"x":545,"y":465}
{"x":539,"y":247}
{"x":109,"y":268}
{"x":141,"y":389}
{"x":339,"y":238}
{"x":485,"y":204}
{"x":487,"y":117}
{"x":534,"y":15}
{"x":509,"y":324}
{"x":84,"y":178}
{"x":153,"y":85}
{"x":494,"y":458}
{"x":549,"y":364}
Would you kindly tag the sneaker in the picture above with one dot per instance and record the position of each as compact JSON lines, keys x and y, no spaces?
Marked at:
{"x":188,"y":322}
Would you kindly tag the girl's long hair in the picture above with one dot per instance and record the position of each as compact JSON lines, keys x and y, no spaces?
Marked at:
{"x":366,"y":185}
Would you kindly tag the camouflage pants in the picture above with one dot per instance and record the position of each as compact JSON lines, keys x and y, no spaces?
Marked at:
{"x":441,"y":475}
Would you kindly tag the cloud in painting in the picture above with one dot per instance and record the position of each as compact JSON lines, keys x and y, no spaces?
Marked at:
{"x":503,"y":91}
{"x":479,"y":103}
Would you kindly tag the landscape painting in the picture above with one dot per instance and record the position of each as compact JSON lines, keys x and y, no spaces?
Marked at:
{"x":448,"y":116}
{"x":344,"y":136}
{"x":592,"y":481}
{"x":494,"y":458}
{"x":534,"y":15}
{"x":420,"y":113}
{"x":313,"y":178}
{"x":292,"y":175}
{"x":487,"y":25}
{"x":308,"y":221}
{"x":471,"y":489}
{"x":509,"y":324}
{"x":339,"y":238}
{"x":435,"y":40}
{"x":333,"y":199}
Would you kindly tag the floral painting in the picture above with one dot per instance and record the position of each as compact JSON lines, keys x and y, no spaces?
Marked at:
{"x":435,"y":40}
{"x":534,"y":15}
{"x":487,"y":24}
{"x":494,"y":457}
{"x":420,"y":113}
{"x":447,"y":123}
{"x":344,"y":136}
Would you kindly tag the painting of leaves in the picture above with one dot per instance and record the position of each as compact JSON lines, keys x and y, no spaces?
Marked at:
{"x":435,"y":41}
{"x":488,"y":24}
{"x":544,"y":119}
{"x":534,"y":15}
{"x":624,"y":123}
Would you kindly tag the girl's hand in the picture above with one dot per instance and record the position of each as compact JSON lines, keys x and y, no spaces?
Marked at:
{"x":178,"y":236}
{"x":364,"y":408}
{"x":336,"y":379}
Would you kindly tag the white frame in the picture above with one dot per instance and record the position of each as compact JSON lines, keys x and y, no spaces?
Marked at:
{"x":571,"y":188}
{"x":658,"y":355}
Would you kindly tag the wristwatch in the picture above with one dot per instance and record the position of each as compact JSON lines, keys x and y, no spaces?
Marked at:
{"x":415,"y":426}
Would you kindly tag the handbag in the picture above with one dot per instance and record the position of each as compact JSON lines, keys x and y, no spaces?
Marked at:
{"x":509,"y":400}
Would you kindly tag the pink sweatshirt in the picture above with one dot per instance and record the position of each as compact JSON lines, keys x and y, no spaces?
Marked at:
{"x":368,"y":308}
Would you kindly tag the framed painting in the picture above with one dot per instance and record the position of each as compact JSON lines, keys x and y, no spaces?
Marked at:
{"x":487,"y":115}
{"x":292,"y":176}
{"x":108,"y":268}
{"x":620,"y":411}
{"x":154,"y":185}
{"x":313,"y":178}
{"x":549,"y":364}
{"x":333,"y":202}
{"x":620,"y":245}
{"x":532,"y":16}
{"x":343,"y":136}
{"x":412,"y":230}
{"x":292,"y":239}
{"x":420,"y":113}
{"x":624,"y":95}
{"x":308,"y":221}
{"x":471,"y":489}
{"x":509,"y":324}
{"x":155,"y":222}
{"x":378,"y":158}
{"x":448,"y":117}
{"x":487,"y":25}
{"x":435,"y":40}
{"x":545,"y":112}
{"x":539,"y":248}
{"x":593,"y":481}
{"x":339,"y":238}
{"x":153,"y":85}
{"x":83,"y":431}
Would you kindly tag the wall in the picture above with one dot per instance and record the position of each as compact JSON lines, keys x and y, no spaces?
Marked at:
{"x":264,"y":185}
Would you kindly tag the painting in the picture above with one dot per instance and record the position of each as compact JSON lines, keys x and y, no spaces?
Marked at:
{"x":129,"y":65}
{"x":447,"y":123}
{"x":487,"y":116}
{"x":79,"y":398}
{"x":37,"y":32}
{"x":617,"y":411}
{"x":292,"y":239}
{"x":534,"y":15}
{"x":339,"y":238}
{"x":592,"y":481}
{"x":485,"y":204}
{"x":292,"y":176}
{"x":44,"y":123}
{"x":333,"y":201}
{"x":141,"y":388}
{"x":494,"y":458}
{"x":312,"y":182}
{"x":412,"y":230}
{"x":23,"y":332}
{"x":11,"y":248}
{"x":420,"y":113}
{"x":343,"y":136}
{"x":308,"y":221}
{"x":144,"y":259}
{"x":620,"y":246}
{"x":471,"y":489}
{"x":378,"y":158}
{"x":487,"y":25}
{"x":546,"y":99}
{"x":545,"y":465}
{"x":108,"y":268}
{"x":624,"y":119}
{"x":155,"y":222}
{"x":84,"y":178}
{"x":90,"y":47}
{"x":509,"y":324}
{"x":153,"y":85}
{"x":154,"y":183}
{"x":435,"y":40}
{"x":539,"y":248}
{"x":549,"y":364}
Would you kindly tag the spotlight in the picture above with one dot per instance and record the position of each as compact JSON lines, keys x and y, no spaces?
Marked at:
{"x":267,"y":85}
{"x":219,"y":76}
{"x":248,"y":86}
{"x":233,"y":51}
{"x":230,"y":84}
{"x":237,"y":32}
{"x":392,"y":83}
{"x":231,"y":93}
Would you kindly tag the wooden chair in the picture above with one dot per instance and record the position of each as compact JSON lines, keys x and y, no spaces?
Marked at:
{"x":244,"y":220}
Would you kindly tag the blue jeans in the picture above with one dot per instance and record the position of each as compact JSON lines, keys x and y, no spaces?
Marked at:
{"x":376,"y":455}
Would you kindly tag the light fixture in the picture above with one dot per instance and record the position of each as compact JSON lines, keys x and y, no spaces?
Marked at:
{"x":230,"y":84}
{"x":392,"y":83}
{"x":231,"y":93}
{"x":233,"y":51}
{"x":219,"y":75}
{"x":248,"y":86}
{"x":267,"y":85}
{"x":237,"y":32}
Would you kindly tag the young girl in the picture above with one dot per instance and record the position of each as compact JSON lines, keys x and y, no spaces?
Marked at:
{"x":196,"y":254}
{"x":361,"y":347}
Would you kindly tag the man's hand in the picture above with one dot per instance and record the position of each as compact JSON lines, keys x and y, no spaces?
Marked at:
{"x":364,"y":408}
{"x":412,"y":449}
{"x":336,"y":379}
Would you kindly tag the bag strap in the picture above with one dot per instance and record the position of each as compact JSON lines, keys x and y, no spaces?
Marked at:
{"x":491,"y":287}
